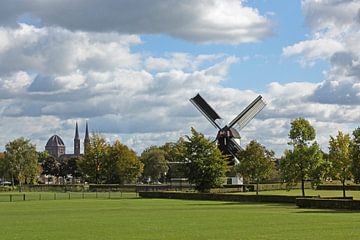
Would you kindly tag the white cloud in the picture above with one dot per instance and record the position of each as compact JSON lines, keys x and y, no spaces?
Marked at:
{"x":203,"y":21}
{"x":335,"y":27}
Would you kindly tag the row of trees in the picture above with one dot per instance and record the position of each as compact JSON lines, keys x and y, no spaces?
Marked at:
{"x":197,"y":158}
{"x":306,"y":161}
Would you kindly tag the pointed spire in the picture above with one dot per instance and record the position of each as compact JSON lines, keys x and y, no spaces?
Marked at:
{"x":87,"y":131}
{"x":77,"y":131}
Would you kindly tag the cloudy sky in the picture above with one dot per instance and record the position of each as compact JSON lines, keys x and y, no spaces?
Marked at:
{"x":129,"y":67}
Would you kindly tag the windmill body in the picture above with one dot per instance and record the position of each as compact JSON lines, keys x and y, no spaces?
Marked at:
{"x":228,"y":137}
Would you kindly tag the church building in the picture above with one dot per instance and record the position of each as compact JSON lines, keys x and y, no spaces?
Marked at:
{"x":56,"y":147}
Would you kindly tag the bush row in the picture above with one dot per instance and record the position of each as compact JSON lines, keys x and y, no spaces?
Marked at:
{"x":220,"y":197}
{"x":55,"y":188}
{"x":134,"y":188}
{"x":338,"y":187}
{"x":328,"y":203}
{"x":7,"y":188}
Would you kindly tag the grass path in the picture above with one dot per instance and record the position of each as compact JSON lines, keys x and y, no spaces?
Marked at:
{"x":170,"y":219}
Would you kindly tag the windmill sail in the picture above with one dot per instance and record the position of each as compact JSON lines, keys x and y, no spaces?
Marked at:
{"x":248,"y":113}
{"x":205,"y":109}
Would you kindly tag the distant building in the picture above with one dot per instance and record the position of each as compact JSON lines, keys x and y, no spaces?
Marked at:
{"x":55,"y":145}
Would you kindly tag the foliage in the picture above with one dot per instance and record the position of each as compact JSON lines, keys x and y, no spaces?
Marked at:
{"x":355,"y":155}
{"x":301,"y":132}
{"x":256,"y":163}
{"x":95,"y":159}
{"x":122,"y":165}
{"x":154,"y":162}
{"x":339,"y":156}
{"x":73,"y":166}
{"x":205,"y":165}
{"x":50,"y":166}
{"x":173,"y":155}
{"x":4,"y":167}
{"x":22,"y":159}
{"x":305,"y":160}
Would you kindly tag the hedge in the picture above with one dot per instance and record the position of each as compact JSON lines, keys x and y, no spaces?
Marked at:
{"x":135,"y":188}
{"x":328,"y":203}
{"x":55,"y":188}
{"x":220,"y":197}
{"x":338,"y":187}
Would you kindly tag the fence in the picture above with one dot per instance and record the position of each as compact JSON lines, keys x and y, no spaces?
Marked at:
{"x":32,"y":196}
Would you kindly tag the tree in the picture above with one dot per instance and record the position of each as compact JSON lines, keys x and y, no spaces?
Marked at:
{"x":50,"y":166}
{"x":123,"y":166}
{"x":339,"y":156}
{"x":204,"y":163}
{"x":304,"y":161}
{"x":256,"y":163}
{"x":95,"y":159}
{"x":173,"y":156}
{"x":4,"y":168}
{"x":155,"y":164}
{"x":355,"y":155}
{"x":22,"y":160}
{"x":73,"y":167}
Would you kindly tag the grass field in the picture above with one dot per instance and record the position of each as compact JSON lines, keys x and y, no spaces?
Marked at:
{"x":170,"y":219}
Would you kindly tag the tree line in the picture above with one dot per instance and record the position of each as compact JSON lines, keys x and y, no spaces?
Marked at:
{"x":194,"y":157}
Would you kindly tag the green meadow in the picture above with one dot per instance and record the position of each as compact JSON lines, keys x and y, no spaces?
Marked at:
{"x":136,"y":218}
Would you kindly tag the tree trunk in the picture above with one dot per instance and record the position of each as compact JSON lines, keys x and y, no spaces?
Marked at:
{"x":303,"y":187}
{"x":257,"y":188}
{"x":343,"y":187}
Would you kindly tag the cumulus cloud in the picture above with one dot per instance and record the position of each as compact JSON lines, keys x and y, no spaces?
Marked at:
{"x":202,"y":21}
{"x":59,"y":73}
{"x":335,"y":36}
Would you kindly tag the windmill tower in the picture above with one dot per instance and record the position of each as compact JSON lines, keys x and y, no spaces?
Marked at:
{"x":228,"y":137}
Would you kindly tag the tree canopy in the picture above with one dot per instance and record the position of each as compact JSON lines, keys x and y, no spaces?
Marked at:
{"x":256,"y":163}
{"x":155,"y":164}
{"x":204,"y":163}
{"x":339,"y":156}
{"x":355,"y":155}
{"x":21,"y":157}
{"x":305,"y":160}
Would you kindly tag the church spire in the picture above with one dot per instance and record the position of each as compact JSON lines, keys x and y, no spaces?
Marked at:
{"x":77,"y":131}
{"x":76,"y":141}
{"x":87,"y":138}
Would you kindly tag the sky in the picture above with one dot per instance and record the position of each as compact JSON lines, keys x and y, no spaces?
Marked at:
{"x":129,"y":68}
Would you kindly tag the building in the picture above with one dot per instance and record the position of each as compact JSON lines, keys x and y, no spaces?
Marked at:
{"x":55,"y":145}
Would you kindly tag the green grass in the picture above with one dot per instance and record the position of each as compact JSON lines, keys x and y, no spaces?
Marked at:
{"x":170,"y":219}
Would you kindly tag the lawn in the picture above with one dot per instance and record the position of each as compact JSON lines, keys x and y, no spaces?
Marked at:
{"x":170,"y":219}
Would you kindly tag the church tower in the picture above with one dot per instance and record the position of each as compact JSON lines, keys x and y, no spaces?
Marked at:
{"x":87,"y":138}
{"x":77,"y":141}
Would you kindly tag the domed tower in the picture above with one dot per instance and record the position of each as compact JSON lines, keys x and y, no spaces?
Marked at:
{"x":55,"y":146}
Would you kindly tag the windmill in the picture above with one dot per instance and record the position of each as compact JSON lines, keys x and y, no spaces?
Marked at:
{"x":228,"y":137}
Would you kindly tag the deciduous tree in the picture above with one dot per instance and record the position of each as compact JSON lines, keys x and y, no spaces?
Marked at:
{"x":339,"y":156}
{"x":50,"y":166}
{"x":355,"y":155}
{"x":256,"y":163}
{"x":123,"y":166}
{"x":304,"y":161}
{"x":204,"y":163}
{"x":155,"y":164}
{"x":95,"y":159}
{"x":22,"y":160}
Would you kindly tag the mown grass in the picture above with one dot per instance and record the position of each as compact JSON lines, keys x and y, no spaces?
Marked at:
{"x":170,"y":219}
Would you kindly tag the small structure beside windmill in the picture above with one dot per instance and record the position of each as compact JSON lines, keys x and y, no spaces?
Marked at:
{"x":228,"y":137}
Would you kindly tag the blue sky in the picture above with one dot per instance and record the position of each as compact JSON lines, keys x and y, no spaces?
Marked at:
{"x":129,"y":67}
